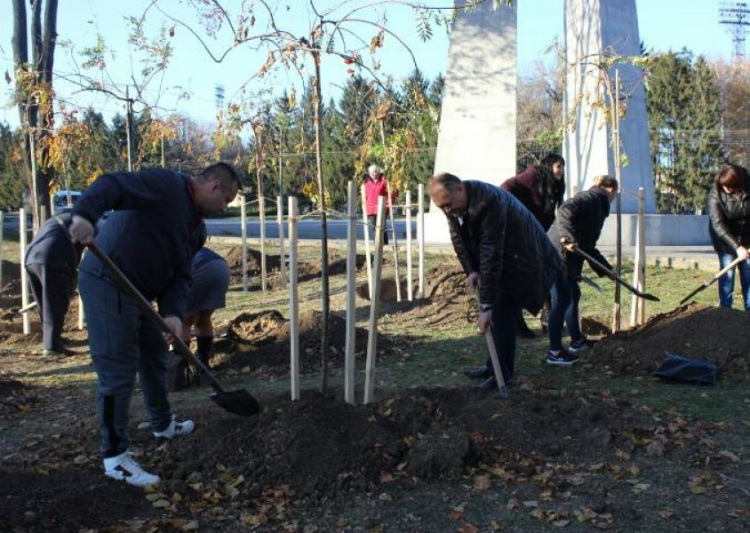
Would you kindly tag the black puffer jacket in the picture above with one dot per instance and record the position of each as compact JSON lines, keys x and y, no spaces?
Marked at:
{"x":502,"y":241}
{"x":729,"y":220}
{"x":580,"y":220}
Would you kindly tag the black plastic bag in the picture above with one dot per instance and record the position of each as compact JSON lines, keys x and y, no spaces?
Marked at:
{"x":684,"y":370}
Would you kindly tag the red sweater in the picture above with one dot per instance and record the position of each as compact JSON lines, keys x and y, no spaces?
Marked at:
{"x":375,"y":189}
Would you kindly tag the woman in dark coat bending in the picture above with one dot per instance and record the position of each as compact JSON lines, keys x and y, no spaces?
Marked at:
{"x":729,"y":227}
{"x":578,"y":225}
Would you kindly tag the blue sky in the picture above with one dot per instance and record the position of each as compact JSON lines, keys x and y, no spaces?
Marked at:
{"x":663,"y":25}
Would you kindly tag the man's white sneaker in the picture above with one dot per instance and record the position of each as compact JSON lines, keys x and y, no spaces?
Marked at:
{"x":176,"y":429}
{"x":124,"y":468}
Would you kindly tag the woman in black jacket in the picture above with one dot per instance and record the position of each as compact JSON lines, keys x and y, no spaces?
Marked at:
{"x":729,"y":227}
{"x":578,"y":225}
{"x":540,"y":188}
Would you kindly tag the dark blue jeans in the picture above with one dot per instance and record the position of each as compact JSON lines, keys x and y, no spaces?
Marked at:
{"x":505,"y":311}
{"x":726,"y":282}
{"x":123,"y":343}
{"x":564,"y":309}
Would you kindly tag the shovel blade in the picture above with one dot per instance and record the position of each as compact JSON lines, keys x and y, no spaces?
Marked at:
{"x":238,"y":402}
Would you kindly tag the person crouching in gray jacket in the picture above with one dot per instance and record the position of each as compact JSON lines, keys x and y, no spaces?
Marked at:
{"x":51,"y":261}
{"x":506,"y":255}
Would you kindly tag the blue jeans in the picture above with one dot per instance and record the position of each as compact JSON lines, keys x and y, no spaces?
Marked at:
{"x":726,"y":282}
{"x":123,"y":343}
{"x":564,"y":309}
{"x":505,"y":311}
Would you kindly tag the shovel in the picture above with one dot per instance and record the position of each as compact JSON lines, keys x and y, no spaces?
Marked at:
{"x":614,"y":277}
{"x":239,"y":402}
{"x":711,"y":281}
{"x":502,"y":388}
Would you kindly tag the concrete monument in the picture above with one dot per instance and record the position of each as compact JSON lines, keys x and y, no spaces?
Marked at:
{"x":477,"y":138}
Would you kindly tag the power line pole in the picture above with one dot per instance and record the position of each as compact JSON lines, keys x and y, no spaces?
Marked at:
{"x":736,"y":17}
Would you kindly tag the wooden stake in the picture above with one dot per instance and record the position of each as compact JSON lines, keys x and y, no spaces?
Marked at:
{"x":282,"y":255}
{"x":23,"y":236}
{"x":642,"y":253}
{"x":81,"y":315}
{"x":351,"y":281}
{"x":263,"y":270}
{"x":372,"y":338}
{"x":293,"y":300}
{"x":420,"y":238}
{"x":409,"y":270}
{"x":1,"y":251}
{"x":243,"y":233}
{"x":367,"y":241}
{"x":394,"y":242}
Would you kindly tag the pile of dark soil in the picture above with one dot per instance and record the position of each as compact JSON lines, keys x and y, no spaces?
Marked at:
{"x":305,"y":271}
{"x":320,"y":449}
{"x":447,"y":298}
{"x":696,"y":331}
{"x":10,"y":291}
{"x":261,"y":341}
{"x":296,"y":459}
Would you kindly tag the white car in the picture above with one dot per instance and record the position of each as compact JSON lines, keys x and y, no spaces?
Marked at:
{"x":64,"y":198}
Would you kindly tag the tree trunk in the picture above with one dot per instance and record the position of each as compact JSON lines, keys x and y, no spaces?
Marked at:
{"x":38,"y":119}
{"x":325,"y":291}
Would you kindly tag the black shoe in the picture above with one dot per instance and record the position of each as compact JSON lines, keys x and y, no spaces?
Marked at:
{"x":478,"y":373}
{"x":62,"y":350}
{"x":490,"y":384}
{"x":523,"y":330}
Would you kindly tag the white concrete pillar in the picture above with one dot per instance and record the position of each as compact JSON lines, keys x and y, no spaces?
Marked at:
{"x":594,"y":28}
{"x":477,"y":137}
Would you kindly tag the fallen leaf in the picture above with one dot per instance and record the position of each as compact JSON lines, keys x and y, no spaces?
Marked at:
{"x":697,"y":489}
{"x":729,"y":455}
{"x":560,"y":523}
{"x":482,"y":482}
{"x":665,"y":514}
{"x":457,"y":514}
{"x":161,"y":504}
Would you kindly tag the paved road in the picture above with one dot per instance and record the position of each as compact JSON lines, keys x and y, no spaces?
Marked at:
{"x":307,"y":228}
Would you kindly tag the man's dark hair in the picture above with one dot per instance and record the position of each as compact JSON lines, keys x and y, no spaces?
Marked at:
{"x":445,"y":180}
{"x":227,"y":175}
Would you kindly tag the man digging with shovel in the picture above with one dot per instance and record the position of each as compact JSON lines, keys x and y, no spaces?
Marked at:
{"x":506,"y":256}
{"x":151,"y":236}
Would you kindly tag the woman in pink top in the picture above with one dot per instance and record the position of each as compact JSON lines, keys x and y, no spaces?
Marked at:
{"x":375,"y":187}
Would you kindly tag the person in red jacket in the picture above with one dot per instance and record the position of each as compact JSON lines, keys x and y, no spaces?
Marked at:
{"x":375,"y":187}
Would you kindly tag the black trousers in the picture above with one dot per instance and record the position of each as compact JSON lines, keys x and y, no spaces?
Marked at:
{"x":371,"y":221}
{"x":52,"y":289}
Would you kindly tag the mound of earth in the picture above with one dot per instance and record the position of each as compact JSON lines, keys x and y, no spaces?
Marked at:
{"x":261,"y":341}
{"x":319,"y":449}
{"x":696,"y":331}
{"x":305,"y":271}
{"x":447,"y":298}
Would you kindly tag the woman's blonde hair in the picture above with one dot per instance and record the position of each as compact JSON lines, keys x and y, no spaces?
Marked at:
{"x":606,"y":182}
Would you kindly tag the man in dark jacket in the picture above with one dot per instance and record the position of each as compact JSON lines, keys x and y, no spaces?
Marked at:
{"x":51,"y":261}
{"x":505,"y":254}
{"x":152,"y":235}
